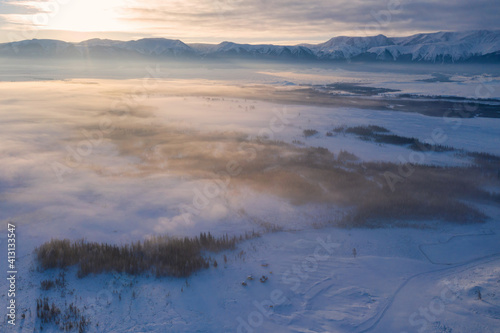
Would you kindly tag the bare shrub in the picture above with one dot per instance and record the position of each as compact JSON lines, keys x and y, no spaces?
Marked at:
{"x":47,"y":284}
{"x":69,"y":319}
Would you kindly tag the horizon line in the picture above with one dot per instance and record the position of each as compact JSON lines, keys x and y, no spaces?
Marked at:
{"x":299,"y":43}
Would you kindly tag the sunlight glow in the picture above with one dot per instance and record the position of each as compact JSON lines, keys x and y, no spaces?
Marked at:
{"x":77,"y":15}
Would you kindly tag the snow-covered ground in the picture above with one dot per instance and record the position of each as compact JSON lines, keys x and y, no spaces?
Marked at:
{"x":477,"y":86}
{"x":396,"y":283}
{"x":61,"y":175}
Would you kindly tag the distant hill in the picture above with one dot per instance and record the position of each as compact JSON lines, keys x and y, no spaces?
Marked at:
{"x":469,"y":46}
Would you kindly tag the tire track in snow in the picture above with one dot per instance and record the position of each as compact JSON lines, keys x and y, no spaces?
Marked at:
{"x":470,"y":263}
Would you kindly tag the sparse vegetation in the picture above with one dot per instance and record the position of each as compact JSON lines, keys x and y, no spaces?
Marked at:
{"x":339,"y":129}
{"x":416,"y":192}
{"x":161,"y":255}
{"x":429,"y":193}
{"x":492,"y":162}
{"x":422,"y":146}
{"x":382,"y":135}
{"x":47,"y":284}
{"x":364,"y":130}
{"x":378,"y":129}
{"x":70,"y":319}
{"x":345,"y":156}
{"x":373,"y":132}
{"x":47,"y":313}
{"x":394,"y":139}
{"x":309,"y":132}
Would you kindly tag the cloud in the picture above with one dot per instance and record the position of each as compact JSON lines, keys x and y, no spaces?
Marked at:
{"x":248,"y":20}
{"x":262,"y":20}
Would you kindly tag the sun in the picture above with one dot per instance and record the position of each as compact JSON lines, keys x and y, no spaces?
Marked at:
{"x":81,"y":15}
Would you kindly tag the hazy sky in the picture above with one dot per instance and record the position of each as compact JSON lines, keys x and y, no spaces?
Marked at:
{"x":277,"y":21}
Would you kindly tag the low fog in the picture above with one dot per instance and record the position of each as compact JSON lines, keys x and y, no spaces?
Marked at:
{"x":142,"y":157}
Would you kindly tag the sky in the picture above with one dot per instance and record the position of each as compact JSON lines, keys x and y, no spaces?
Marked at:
{"x":243,"y":21}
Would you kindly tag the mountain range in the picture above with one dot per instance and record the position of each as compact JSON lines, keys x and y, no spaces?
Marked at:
{"x":469,"y":46}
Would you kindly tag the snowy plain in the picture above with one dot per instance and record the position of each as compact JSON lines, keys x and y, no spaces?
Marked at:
{"x":400,"y":280}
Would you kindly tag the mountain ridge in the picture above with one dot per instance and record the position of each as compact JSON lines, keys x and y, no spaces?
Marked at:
{"x":425,"y":47}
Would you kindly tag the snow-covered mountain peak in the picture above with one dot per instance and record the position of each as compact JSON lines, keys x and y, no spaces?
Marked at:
{"x":479,"y":45}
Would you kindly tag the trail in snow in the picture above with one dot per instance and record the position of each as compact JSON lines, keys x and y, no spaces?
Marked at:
{"x":372,"y":323}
